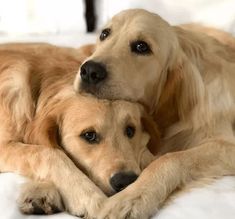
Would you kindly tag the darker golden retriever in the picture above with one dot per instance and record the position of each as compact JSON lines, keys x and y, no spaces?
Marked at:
{"x":63,"y":141}
{"x":186,"y":81}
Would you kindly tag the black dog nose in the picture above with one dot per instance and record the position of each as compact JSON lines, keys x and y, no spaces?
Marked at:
{"x":122,"y":179}
{"x":93,"y":72}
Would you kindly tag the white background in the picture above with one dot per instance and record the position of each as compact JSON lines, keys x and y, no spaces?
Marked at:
{"x":63,"y":16}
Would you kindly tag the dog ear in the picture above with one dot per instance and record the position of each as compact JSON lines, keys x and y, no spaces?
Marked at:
{"x":44,"y":131}
{"x":151,"y":128}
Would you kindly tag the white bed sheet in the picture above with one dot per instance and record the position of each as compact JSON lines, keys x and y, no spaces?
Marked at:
{"x":216,"y":201}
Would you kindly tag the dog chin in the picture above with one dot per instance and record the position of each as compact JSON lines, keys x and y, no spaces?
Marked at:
{"x":96,"y":91}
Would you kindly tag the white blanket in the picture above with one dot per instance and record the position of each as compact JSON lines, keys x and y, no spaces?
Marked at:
{"x":215,"y":201}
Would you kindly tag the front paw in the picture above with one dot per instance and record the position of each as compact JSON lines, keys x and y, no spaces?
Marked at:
{"x":86,"y":204}
{"x":39,"y":198}
{"x":127,"y":205}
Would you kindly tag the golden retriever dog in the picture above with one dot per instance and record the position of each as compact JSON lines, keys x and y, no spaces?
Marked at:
{"x":186,"y":81}
{"x":77,"y":149}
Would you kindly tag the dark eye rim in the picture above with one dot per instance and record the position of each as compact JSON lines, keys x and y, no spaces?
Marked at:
{"x":96,"y":140}
{"x":133,"y":130}
{"x":145,"y":50}
{"x":107,"y":32}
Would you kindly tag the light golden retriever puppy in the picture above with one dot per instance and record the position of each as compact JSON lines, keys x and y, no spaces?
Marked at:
{"x":186,"y":80}
{"x":62,"y":140}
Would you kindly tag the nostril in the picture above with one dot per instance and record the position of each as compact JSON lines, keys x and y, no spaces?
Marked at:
{"x":101,"y":74}
{"x":84,"y":75}
{"x":94,"y":76}
{"x":83,"y":72}
{"x":122,"y":179}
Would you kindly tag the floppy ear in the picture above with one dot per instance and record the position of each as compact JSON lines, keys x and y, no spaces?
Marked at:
{"x":190,"y":88}
{"x":151,"y":128}
{"x":44,"y":131}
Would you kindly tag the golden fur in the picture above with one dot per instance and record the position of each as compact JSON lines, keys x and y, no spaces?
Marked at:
{"x":220,"y":35}
{"x":41,"y":122}
{"x":187,"y":83}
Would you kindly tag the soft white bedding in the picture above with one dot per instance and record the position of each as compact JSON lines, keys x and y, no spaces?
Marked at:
{"x":216,"y":201}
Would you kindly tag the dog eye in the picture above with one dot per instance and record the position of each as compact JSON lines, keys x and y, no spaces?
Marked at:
{"x":105,"y":33}
{"x":91,"y":137}
{"x":140,"y":47}
{"x":130,"y":131}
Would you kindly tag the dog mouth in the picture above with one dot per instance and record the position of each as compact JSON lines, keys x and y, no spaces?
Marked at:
{"x":94,"y":90}
{"x":100,"y":91}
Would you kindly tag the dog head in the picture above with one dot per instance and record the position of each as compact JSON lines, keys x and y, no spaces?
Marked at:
{"x":131,"y":53}
{"x":107,"y":140}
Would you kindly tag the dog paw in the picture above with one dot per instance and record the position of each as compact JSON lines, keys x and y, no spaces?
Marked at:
{"x":40,"y":198}
{"x":86,"y":207}
{"x":128,"y":204}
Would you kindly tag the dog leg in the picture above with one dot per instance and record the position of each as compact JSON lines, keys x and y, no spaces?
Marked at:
{"x":79,"y":194}
{"x":143,"y":198}
{"x":40,"y":198}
